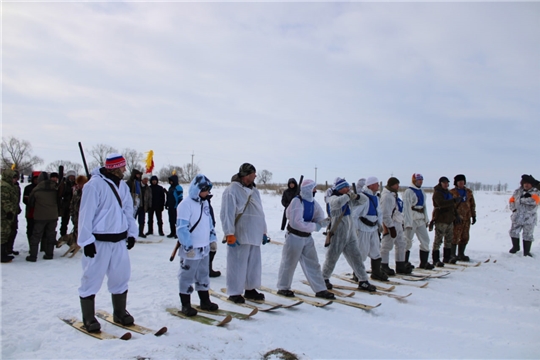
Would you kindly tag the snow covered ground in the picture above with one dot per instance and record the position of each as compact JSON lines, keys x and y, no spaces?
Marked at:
{"x":491,"y":311}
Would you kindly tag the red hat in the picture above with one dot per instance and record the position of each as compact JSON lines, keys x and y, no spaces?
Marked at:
{"x":115,"y":161}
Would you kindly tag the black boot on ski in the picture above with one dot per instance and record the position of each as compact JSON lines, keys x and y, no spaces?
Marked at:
{"x":237,"y":299}
{"x":402,"y":268}
{"x":407,"y":254}
{"x":366,"y":286}
{"x":253,"y":295}
{"x":376,"y":272}
{"x":206,"y":304}
{"x":515,"y":246}
{"x":424,"y":264}
{"x":328,"y":284}
{"x":89,"y":320}
{"x":453,"y":256}
{"x":325,"y":294}
{"x":120,"y":314}
{"x":387,"y":270}
{"x":435,"y":255}
{"x":213,"y":273}
{"x":187,"y":310}
{"x":287,"y":293}
{"x":461,"y":253}
{"x":527,"y":248}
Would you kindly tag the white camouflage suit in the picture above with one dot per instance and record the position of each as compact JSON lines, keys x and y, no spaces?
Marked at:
{"x":345,"y":237}
{"x":415,"y":222}
{"x":243,"y":260}
{"x":392,"y":217}
{"x":368,"y":236}
{"x":302,"y":248}
{"x":100,"y":213}
{"x":524,"y":213}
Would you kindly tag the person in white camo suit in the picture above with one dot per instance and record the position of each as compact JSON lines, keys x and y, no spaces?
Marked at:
{"x":524,"y":205}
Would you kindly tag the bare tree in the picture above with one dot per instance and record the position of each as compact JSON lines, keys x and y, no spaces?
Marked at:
{"x":99,"y":153}
{"x":264,"y":176}
{"x":68,"y":165}
{"x":188,"y":172}
{"x":133,"y":160}
{"x":18,"y":152}
{"x":166,"y":171}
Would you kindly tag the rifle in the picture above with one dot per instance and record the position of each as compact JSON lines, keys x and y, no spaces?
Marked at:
{"x":284,"y":219}
{"x":84,"y":161}
{"x":174,"y":251}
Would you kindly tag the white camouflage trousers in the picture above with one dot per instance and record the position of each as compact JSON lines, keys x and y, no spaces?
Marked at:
{"x":387,"y":244}
{"x":243,"y":268}
{"x":194,"y":271}
{"x":369,"y":244}
{"x":419,"y":229}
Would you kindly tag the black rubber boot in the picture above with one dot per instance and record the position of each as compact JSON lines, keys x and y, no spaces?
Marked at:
{"x":120,"y":314}
{"x":407,"y":254}
{"x":527,"y":248}
{"x":253,"y":295}
{"x":461,"y":253}
{"x":187,"y":310}
{"x":387,"y":270}
{"x":206,"y":304}
{"x":376,"y":272}
{"x":435,"y":254}
{"x":424,"y":264}
{"x":213,"y":273}
{"x":515,"y":246}
{"x":328,"y":284}
{"x":366,"y":286}
{"x":453,"y":256}
{"x":325,"y":294}
{"x":446,"y":255}
{"x":89,"y":319}
{"x":402,"y":268}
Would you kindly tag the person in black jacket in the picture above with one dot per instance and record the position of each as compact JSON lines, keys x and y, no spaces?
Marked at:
{"x":286,"y":198}
{"x":174,"y":196}
{"x":157,"y":206}
{"x":67,"y":195}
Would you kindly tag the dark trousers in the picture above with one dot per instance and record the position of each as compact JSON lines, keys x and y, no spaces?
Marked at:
{"x":159,"y":218}
{"x":140,"y":216}
{"x":13,"y":234}
{"x":45,"y":229}
{"x":65,"y":220}
{"x":29,"y":229}
{"x":172,"y":220}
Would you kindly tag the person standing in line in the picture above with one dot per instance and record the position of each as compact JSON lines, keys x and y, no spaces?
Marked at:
{"x":286,"y":198}
{"x":466,"y":210}
{"x":174,"y":196}
{"x":66,"y":196}
{"x":244,"y":225}
{"x":29,"y":210}
{"x":159,"y":196}
{"x":524,"y":206}
{"x":9,"y":210}
{"x":107,"y":230}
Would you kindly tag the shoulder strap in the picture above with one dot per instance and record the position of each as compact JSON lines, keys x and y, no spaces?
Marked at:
{"x":197,"y":223}
{"x":115,"y":192}
{"x":242,"y":213}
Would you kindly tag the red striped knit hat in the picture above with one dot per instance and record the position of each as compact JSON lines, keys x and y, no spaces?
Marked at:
{"x":114,"y":161}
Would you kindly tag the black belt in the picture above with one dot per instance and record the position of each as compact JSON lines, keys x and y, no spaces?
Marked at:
{"x":111,"y":237}
{"x":367,"y":222}
{"x":297,"y":232}
{"x":421,"y":211}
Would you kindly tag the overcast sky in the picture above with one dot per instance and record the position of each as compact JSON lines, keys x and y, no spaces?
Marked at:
{"x":352,"y":89}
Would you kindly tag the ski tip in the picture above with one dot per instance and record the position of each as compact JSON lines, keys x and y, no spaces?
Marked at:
{"x":227,"y":319}
{"x":161,"y":331}
{"x":126,"y":336}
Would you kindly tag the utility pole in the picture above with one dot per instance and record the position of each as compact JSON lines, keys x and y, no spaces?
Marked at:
{"x":315,"y":174}
{"x":191,"y":175}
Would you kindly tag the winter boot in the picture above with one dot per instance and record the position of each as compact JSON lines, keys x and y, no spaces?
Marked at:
{"x":5,"y":257}
{"x":328,"y":284}
{"x":253,"y":295}
{"x":160,"y":229}
{"x":387,"y":270}
{"x":515,"y":246}
{"x":120,"y":314}
{"x":376,"y":272}
{"x":49,"y":251}
{"x":424,"y":264}
{"x":461,"y":253}
{"x":141,"y":233}
{"x":150,"y":229}
{"x":90,"y":322}
{"x":435,"y":255}
{"x":447,"y":252}
{"x":402,"y":268}
{"x":213,"y":273}
{"x":237,"y":299}
{"x":453,"y":257}
{"x":287,"y":293}
{"x":407,"y":254}
{"x":206,"y":304}
{"x":527,"y":248}
{"x":33,"y":253}
{"x":325,"y":294}
{"x":366,"y":286}
{"x":187,"y":310}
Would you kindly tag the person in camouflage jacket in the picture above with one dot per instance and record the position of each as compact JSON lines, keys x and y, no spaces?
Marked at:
{"x":524,"y":205}
{"x":466,"y":209}
{"x":9,"y":211}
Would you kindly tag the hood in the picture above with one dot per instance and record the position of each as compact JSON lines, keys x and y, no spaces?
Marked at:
{"x":8,"y":174}
{"x":198,"y":183}
{"x":134,"y":173}
{"x":174,"y":179}
{"x":154,"y":177}
{"x":306,"y":189}
{"x":292,"y":181}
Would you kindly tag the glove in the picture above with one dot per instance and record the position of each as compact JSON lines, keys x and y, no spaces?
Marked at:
{"x":458,"y":220}
{"x":90,"y":250}
{"x":393,"y":232}
{"x":431,"y":224}
{"x":324,"y":222}
{"x":457,"y":199}
{"x":473,"y":220}
{"x":526,"y":195}
{"x":190,"y":252}
{"x":130,"y":242}
{"x":353,"y":196}
{"x":9,"y":216}
{"x":213,"y":246}
{"x":231,"y":240}
{"x":266,"y":239}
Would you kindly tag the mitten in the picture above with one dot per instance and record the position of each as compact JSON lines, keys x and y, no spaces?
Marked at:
{"x":90,"y":250}
{"x":130,"y":242}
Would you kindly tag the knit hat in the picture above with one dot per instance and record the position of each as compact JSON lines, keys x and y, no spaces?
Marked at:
{"x":416,"y":177}
{"x":145,"y":176}
{"x":459,"y":178}
{"x":246,"y":169}
{"x":341,"y":184}
{"x":392,"y":181}
{"x":443,"y":179}
{"x":114,"y":161}
{"x":372,"y":180}
{"x":71,"y":173}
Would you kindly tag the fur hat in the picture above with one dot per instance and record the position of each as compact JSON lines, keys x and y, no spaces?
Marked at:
{"x":371,"y":180}
{"x":443,"y":179}
{"x":459,"y":177}
{"x":392,"y":181}
{"x":246,"y":169}
{"x":114,"y":161}
{"x":81,"y":180}
{"x":529,"y":179}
